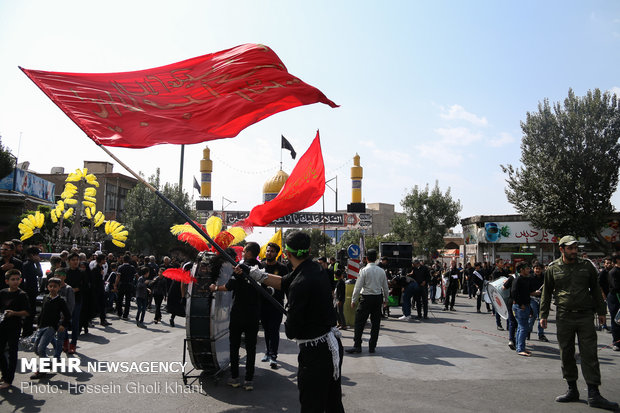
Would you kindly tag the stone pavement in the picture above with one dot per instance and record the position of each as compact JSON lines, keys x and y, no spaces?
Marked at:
{"x":454,"y":361}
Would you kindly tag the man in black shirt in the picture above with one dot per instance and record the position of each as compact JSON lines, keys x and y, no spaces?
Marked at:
{"x":13,"y":306}
{"x":603,"y":282}
{"x":520,"y":294}
{"x":311,"y":320}
{"x":453,"y":285}
{"x":123,"y":286}
{"x":536,"y":283}
{"x":422,"y":276}
{"x":75,"y":278}
{"x":613,"y":301}
{"x":8,"y":262}
{"x":244,"y":318}
{"x":31,"y":274}
{"x":271,"y":317}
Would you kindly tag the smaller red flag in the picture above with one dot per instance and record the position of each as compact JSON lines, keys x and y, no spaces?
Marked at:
{"x":302,"y":189}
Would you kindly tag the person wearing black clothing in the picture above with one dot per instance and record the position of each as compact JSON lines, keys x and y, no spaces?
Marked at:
{"x":55,"y":316}
{"x":98,"y":273}
{"x":13,"y":306}
{"x":536,"y":282}
{"x":422,"y":276}
{"x":453,"y":285}
{"x":123,"y":286}
{"x":603,"y":282}
{"x":271,"y":317}
{"x":498,"y":272}
{"x":613,"y":301}
{"x":244,"y":318}
{"x":520,"y":294}
{"x":158,"y":288}
{"x":75,"y":278}
{"x":435,"y":281}
{"x":311,"y":320}
{"x":341,"y":289}
{"x":8,"y":262}
{"x":31,"y":274}
{"x":512,"y":321}
{"x":477,"y":282}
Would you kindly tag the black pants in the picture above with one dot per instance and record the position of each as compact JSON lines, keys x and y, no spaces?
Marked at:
{"x":421,"y":301}
{"x":370,"y":305}
{"x":451,"y":293}
{"x":124,"y":291}
{"x":249,"y":326}
{"x":318,"y":391}
{"x":158,"y":301}
{"x":9,"y":337}
{"x":271,"y":321}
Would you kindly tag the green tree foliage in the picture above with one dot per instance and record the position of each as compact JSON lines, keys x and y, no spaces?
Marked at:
{"x":7,"y":161}
{"x":427,"y":217}
{"x":149,"y":219}
{"x":318,"y":242}
{"x":570,"y":158}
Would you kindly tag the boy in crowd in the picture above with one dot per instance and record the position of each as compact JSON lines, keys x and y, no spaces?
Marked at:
{"x":55,"y":316}
{"x":13,"y":307}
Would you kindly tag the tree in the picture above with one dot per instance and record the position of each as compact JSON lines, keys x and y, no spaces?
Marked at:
{"x":570,"y":158}
{"x":7,"y":160}
{"x":149,"y":219}
{"x":427,"y":216}
{"x":317,"y":241}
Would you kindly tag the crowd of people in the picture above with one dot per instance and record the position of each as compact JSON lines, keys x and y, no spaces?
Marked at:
{"x":81,"y":288}
{"x":89,"y":287}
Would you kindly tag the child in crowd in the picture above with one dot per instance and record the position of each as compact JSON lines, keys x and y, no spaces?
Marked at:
{"x":158,"y":286}
{"x":55,"y":316}
{"x":13,"y":307}
{"x":142,"y":293}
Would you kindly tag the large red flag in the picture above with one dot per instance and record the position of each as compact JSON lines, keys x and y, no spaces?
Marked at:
{"x":302,"y":189}
{"x":205,"y":98}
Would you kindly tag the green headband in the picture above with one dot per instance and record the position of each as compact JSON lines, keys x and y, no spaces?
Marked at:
{"x":298,"y":252}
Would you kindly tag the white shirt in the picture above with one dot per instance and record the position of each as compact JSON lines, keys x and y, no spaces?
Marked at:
{"x":371,"y":281}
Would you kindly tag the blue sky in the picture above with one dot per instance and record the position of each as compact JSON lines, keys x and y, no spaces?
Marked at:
{"x":428,"y":90}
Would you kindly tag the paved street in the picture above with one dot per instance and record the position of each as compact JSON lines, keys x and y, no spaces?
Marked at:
{"x":455,"y":361}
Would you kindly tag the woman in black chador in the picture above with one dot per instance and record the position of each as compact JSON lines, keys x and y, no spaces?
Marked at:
{"x":176,"y":297}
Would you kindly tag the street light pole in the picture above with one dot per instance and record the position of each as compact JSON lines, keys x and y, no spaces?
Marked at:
{"x":228,"y":204}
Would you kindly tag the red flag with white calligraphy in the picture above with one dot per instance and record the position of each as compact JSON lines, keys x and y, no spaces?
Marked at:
{"x":302,"y":189}
{"x":209,"y":97}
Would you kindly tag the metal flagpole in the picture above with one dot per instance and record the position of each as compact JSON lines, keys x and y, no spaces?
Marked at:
{"x":191,"y":222}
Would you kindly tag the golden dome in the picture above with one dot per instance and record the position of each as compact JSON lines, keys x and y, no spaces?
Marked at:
{"x":275,"y":183}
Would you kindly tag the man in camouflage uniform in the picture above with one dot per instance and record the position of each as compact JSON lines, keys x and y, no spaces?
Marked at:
{"x":573,"y":283}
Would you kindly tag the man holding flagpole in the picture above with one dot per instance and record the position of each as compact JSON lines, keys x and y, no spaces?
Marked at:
{"x":311,"y":321}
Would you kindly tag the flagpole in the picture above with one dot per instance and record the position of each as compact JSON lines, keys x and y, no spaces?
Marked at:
{"x":191,"y":222}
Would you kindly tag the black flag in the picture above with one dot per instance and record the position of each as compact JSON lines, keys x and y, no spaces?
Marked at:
{"x":287,"y":145}
{"x":196,"y":185}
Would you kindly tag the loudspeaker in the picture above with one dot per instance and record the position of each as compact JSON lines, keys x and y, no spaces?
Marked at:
{"x":399,"y":254}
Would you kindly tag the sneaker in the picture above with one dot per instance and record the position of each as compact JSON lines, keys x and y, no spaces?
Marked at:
{"x":265,"y":358}
{"x":353,"y":350}
{"x":273,"y":364}
{"x":500,"y":328}
{"x":105,"y":323}
{"x":615,"y":348}
{"x":452,"y":309}
{"x":172,"y":325}
{"x":404,"y":317}
{"x":511,"y":344}
{"x":233,"y":383}
{"x":543,"y":338}
{"x":248,"y":385}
